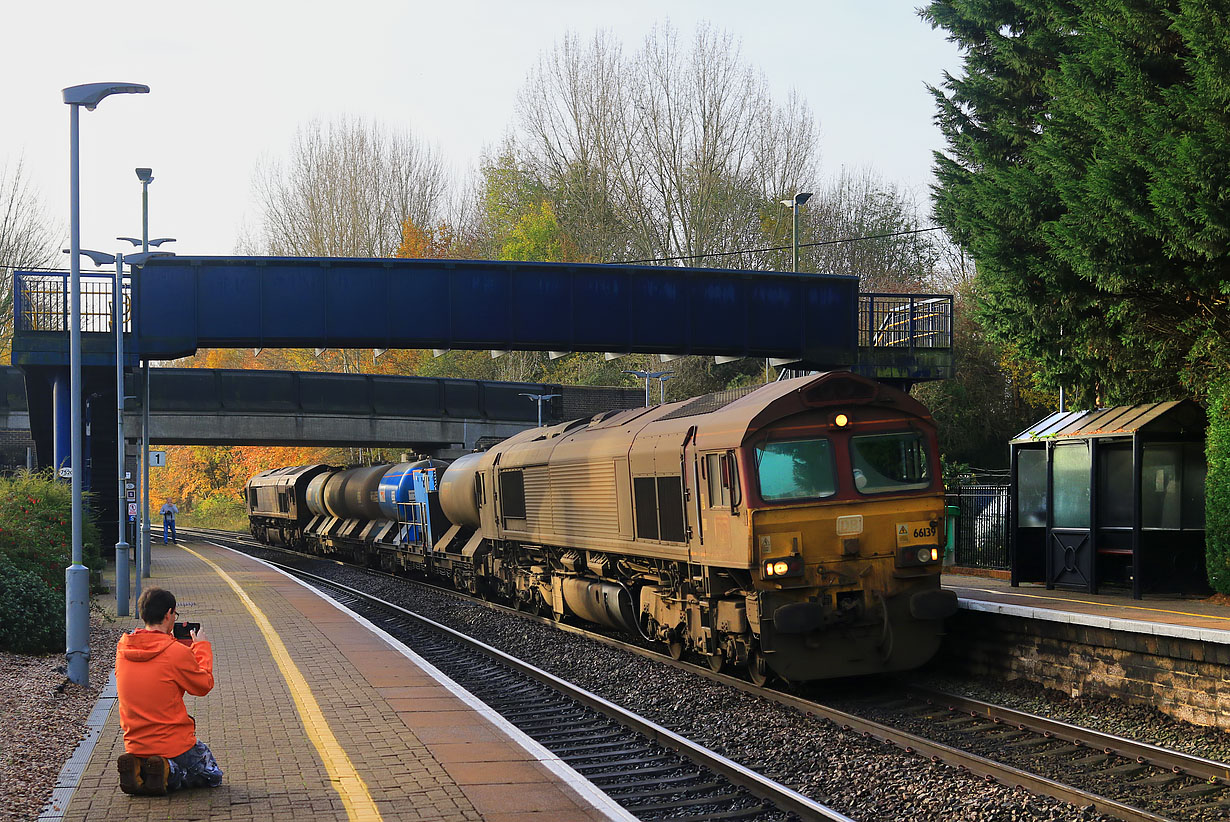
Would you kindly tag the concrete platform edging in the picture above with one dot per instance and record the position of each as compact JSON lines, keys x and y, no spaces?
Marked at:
{"x":1094,"y":621}
{"x":562,"y":770}
{"x":70,"y":775}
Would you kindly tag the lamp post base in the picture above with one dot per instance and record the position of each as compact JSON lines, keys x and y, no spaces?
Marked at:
{"x":121,"y":578}
{"x":77,"y":623}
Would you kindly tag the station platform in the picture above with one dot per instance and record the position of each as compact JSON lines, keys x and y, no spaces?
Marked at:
{"x":317,"y":714}
{"x":1190,"y":618}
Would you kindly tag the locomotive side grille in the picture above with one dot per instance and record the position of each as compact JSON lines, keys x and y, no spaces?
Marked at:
{"x":538,"y":497}
{"x":584,"y":500}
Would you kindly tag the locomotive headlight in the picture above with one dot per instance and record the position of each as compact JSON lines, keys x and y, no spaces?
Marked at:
{"x":924,"y":554}
{"x":841,"y":420}
{"x":785,"y":567}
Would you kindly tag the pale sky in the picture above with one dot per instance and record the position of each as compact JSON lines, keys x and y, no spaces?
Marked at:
{"x":232,"y":81}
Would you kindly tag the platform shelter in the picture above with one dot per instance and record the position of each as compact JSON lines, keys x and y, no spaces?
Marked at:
{"x":1114,"y":495}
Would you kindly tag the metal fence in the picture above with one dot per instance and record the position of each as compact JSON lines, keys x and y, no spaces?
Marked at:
{"x":905,"y":320}
{"x":42,"y":303}
{"x":982,"y":526}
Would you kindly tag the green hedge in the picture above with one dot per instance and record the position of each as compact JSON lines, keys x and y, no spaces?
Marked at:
{"x":36,"y":528}
{"x":1217,"y":488}
{"x":31,"y":612}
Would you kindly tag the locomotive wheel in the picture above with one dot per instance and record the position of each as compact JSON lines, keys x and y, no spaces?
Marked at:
{"x":716,"y":662}
{"x":757,"y":671}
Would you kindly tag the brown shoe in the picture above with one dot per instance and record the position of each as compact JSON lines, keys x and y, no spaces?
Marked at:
{"x":154,"y":773}
{"x":130,"y":774}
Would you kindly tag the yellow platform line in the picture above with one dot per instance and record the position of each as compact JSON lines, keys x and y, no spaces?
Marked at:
{"x":1002,"y":592}
{"x":345,"y":779}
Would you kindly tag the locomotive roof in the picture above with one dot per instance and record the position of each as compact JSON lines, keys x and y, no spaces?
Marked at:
{"x":723,"y":419}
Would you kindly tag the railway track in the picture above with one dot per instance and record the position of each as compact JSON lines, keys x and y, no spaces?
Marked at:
{"x":1118,"y":777}
{"x":650,"y":771}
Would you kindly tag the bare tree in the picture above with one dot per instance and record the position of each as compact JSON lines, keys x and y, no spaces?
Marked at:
{"x":670,"y":152}
{"x":894,"y":254}
{"x":28,"y":239}
{"x":346,"y":189}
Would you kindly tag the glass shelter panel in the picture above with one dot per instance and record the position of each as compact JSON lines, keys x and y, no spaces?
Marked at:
{"x":1031,"y":487}
{"x":1070,"y":478}
{"x":1160,"y":480}
{"x":1115,"y":486}
{"x":1194,"y":470}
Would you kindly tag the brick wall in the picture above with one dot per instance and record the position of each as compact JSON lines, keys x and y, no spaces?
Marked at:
{"x":13,"y":445}
{"x":1186,"y":678}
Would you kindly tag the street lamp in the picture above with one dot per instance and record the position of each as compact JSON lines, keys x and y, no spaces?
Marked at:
{"x":794,"y":203}
{"x":77,"y":576}
{"x":117,"y":302}
{"x":650,"y":375}
{"x":662,"y":385}
{"x":146,"y":176}
{"x":540,"y":399}
{"x":136,"y":261}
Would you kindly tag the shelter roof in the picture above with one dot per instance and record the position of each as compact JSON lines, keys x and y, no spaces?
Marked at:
{"x":1180,"y":417}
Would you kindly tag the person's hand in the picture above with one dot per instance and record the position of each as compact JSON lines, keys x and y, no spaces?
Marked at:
{"x":198,"y":634}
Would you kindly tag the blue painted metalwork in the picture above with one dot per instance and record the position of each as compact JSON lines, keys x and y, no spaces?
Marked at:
{"x":63,"y":419}
{"x":188,"y":303}
{"x":396,"y":488}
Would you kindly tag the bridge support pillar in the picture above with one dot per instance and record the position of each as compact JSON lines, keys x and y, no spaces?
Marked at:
{"x":63,"y":419}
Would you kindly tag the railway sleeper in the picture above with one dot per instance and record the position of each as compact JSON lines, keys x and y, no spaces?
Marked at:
{"x":1031,"y":742}
{"x":718,"y":798}
{"x":643,"y":760}
{"x":1128,"y":769}
{"x":611,"y":782}
{"x":650,"y":789}
{"x":1055,"y":753}
{"x":1202,"y":789}
{"x":611,"y":747}
{"x":594,"y":773}
{"x":1160,"y":780}
{"x":977,"y":728}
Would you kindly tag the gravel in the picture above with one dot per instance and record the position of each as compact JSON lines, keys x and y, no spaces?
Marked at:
{"x":44,"y":718}
{"x":856,"y":776}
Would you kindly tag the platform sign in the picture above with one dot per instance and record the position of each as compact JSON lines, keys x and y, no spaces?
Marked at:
{"x":132,"y":494}
{"x":132,"y":509}
{"x":157,"y":459}
{"x":66,"y":472}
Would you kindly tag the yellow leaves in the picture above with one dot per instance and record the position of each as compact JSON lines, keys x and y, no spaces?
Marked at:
{"x":438,"y":242}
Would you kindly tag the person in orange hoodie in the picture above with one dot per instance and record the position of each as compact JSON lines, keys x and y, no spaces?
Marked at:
{"x":153,"y":670}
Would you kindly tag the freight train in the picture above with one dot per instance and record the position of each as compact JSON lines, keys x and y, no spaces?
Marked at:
{"x":793,"y":530}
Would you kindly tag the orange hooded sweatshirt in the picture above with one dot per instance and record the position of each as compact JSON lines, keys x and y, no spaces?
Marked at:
{"x":152,"y":671}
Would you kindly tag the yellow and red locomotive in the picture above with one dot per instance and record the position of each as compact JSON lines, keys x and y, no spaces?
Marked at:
{"x":793,"y":529}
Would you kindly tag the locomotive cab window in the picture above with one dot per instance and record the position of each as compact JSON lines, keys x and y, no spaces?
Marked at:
{"x":796,"y":469}
{"x":885,"y":463}
{"x":283,"y":502}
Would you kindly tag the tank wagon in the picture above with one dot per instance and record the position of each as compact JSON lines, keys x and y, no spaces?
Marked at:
{"x":794,"y":530}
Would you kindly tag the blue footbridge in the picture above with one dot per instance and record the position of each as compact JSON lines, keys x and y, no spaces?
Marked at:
{"x":175,"y":306}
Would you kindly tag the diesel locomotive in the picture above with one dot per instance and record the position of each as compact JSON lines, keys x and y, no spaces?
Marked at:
{"x":793,"y":530}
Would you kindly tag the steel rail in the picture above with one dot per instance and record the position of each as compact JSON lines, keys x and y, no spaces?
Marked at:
{"x":988,"y":769}
{"x":784,"y":798}
{"x":1175,"y":761}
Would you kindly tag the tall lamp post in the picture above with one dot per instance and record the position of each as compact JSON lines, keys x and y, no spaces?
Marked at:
{"x":117,"y":304}
{"x":540,"y":399}
{"x":77,"y":576}
{"x":146,"y":176}
{"x":136,"y":261}
{"x":651,"y":375}
{"x":794,"y":203}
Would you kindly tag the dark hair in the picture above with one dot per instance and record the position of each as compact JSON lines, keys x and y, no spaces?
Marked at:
{"x":155,"y":604}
